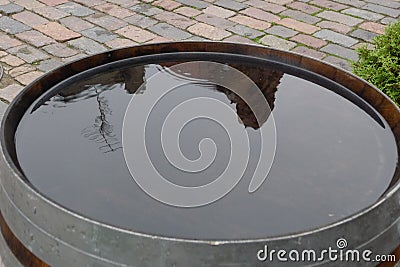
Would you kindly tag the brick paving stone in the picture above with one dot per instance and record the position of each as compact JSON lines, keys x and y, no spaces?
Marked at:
{"x":10,"y":92}
{"x":245,"y":31}
{"x":35,"y":38}
{"x":2,"y":53}
{"x":28,"y":4}
{"x":11,"y":60}
{"x":99,"y":34}
{"x":215,"y":21}
{"x":8,"y":42}
{"x":29,"y":77}
{"x":12,"y":26}
{"x":260,"y":14}
{"x":301,"y":16}
{"x":10,"y":9}
{"x":114,"y":10}
{"x":230,"y":4}
{"x":60,"y":50}
{"x":4,"y":2}
{"x":75,"y":9}
{"x":159,"y":39}
{"x":50,"y":64}
{"x":251,"y":22}
{"x":87,"y":45}
{"x":108,"y":22}
{"x":388,"y":20}
{"x":340,"y":51}
{"x":194,"y":3}
{"x":309,"y":9}
{"x":335,"y":37}
{"x":136,"y":34}
{"x":28,"y":53}
{"x":337,"y":27}
{"x":383,"y":10}
{"x":119,"y":43}
{"x":364,"y":35}
{"x":309,"y":52}
{"x":208,"y":31}
{"x":281,"y":31}
{"x":57,"y":31}
{"x":270,"y":7}
{"x":168,"y":31}
{"x":219,"y":11}
{"x":309,"y":40}
{"x":298,"y":25}
{"x":29,"y":18}
{"x":277,"y":42}
{"x":140,"y":20}
{"x":175,"y":19}
{"x":373,"y":27}
{"x":339,"y":62}
{"x":187,"y":11}
{"x":363,"y":14}
{"x":167,"y":4}
{"x":76,"y":24}
{"x":50,"y":12}
{"x":53,"y":2}
{"x":388,"y":3}
{"x":355,"y":3}
{"x":328,"y":4}
{"x":238,"y":39}
{"x":21,"y":70}
{"x":341,"y":18}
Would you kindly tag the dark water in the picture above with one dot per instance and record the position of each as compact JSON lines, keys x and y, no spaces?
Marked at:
{"x":332,"y":159}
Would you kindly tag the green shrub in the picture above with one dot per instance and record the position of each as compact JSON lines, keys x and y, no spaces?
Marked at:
{"x":381,"y":65}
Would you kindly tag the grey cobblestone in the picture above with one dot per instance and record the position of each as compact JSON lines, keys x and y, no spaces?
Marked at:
{"x":215,"y":21}
{"x":245,"y":31}
{"x":368,"y":15}
{"x":87,"y":45}
{"x":339,"y":62}
{"x":10,"y":9}
{"x":277,"y":42}
{"x":194,"y":3}
{"x":75,"y":9}
{"x":383,"y":10}
{"x":50,"y":64}
{"x":140,"y":20}
{"x":99,"y":34}
{"x":28,"y":53}
{"x":341,"y":18}
{"x":281,"y":31}
{"x":363,"y":34}
{"x":301,"y":16}
{"x":230,"y":4}
{"x":335,"y":37}
{"x":340,"y":51}
{"x":168,"y":31}
{"x":12,"y":26}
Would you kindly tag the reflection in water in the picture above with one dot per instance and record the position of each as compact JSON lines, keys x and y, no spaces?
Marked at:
{"x":332,"y":158}
{"x":133,"y":80}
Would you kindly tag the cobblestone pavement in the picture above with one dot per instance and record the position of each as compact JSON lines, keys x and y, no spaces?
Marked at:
{"x":39,"y":35}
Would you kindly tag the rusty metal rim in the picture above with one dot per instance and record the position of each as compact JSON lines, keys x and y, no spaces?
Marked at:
{"x":109,"y":57}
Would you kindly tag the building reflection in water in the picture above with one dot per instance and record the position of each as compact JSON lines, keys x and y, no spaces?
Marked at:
{"x":131,"y":79}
